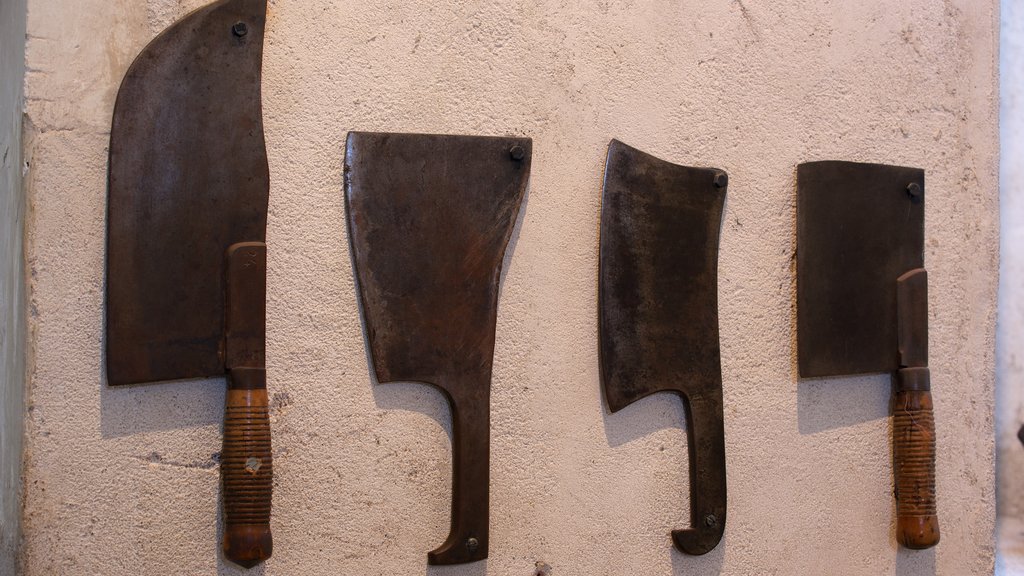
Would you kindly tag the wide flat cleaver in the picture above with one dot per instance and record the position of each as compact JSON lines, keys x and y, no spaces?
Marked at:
{"x":659,"y":311}
{"x":186,"y":259}
{"x":429,"y":220}
{"x":862,"y":307}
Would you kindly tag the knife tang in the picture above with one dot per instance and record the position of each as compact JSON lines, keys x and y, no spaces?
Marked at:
{"x":912,"y":318}
{"x":467,"y":539}
{"x":246,"y":463}
{"x":706,"y":431}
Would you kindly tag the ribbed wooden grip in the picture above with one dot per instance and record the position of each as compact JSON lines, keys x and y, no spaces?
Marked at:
{"x":247,"y":477}
{"x":917,"y":525}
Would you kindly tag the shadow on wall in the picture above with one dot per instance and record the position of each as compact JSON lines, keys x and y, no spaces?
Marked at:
{"x":429,"y":400}
{"x":178,"y":405}
{"x":915,"y":561}
{"x":840,"y":402}
{"x":157,"y":406}
{"x":643,"y":418}
{"x":837,"y":402}
{"x":710,"y":563}
{"x":474,"y":569}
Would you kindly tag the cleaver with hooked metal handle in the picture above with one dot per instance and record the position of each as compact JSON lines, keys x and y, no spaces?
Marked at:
{"x":186,"y":226}
{"x":862,"y":307}
{"x":429,"y":219}
{"x":658,"y":306}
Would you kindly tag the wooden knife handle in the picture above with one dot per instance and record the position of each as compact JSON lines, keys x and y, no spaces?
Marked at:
{"x":246,"y":469}
{"x":471,"y":424}
{"x":917,"y":525}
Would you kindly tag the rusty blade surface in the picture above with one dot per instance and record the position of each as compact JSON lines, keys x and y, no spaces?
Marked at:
{"x":188,"y":177}
{"x":659,"y":310}
{"x":912,"y":324}
{"x":429,"y":220}
{"x":245,"y":324}
{"x":659,"y":277}
{"x":859,"y":228}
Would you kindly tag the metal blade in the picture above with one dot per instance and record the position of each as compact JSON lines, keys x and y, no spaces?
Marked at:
{"x":659,"y":277}
{"x":912,"y":307}
{"x":659,"y":311}
{"x":859,"y":228}
{"x":188,"y":178}
{"x":430,"y":219}
{"x":245,"y":323}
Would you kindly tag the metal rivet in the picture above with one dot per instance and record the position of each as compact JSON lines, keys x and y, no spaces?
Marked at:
{"x":914,"y":190}
{"x":472,"y":544}
{"x":721,"y":180}
{"x":710,"y":520}
{"x":240,"y":29}
{"x":517,"y":153}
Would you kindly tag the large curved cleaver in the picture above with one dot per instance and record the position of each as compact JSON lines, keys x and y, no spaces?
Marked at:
{"x":659,"y":311}
{"x":429,"y":220}
{"x":186,"y":259}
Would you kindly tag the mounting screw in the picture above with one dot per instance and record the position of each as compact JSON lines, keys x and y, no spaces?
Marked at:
{"x":710,"y":520}
{"x":914,"y":191}
{"x":472,"y":544}
{"x":240,"y":29}
{"x":517,"y":153}
{"x":721,"y":180}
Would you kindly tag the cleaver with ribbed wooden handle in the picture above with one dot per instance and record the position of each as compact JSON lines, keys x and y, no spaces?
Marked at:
{"x":186,"y":259}
{"x":862,"y":307}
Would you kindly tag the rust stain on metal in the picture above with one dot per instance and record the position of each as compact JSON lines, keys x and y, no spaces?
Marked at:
{"x":658,"y":306}
{"x":429,"y":219}
{"x":186,"y":259}
{"x":862,"y":307}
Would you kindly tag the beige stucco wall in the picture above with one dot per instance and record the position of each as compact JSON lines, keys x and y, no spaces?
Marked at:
{"x":124,"y":481}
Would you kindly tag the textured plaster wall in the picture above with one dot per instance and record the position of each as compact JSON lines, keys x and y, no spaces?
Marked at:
{"x":12,"y":278}
{"x":125,"y":481}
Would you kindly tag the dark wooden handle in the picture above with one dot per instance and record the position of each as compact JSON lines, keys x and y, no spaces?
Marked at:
{"x":917,"y":525}
{"x":247,"y":469}
{"x":706,"y":435}
{"x":467,"y":540}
